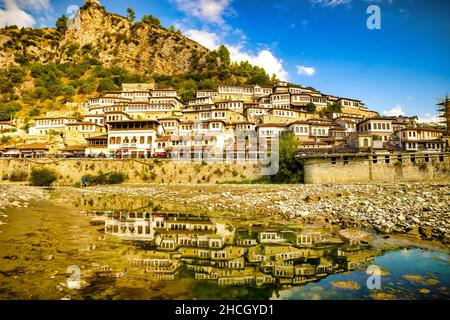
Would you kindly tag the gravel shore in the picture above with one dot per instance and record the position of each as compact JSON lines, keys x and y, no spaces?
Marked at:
{"x":20,"y":196}
{"x":421,"y":209}
{"x":415,"y":208}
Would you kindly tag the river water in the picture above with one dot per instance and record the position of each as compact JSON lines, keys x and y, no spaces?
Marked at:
{"x":97,"y":246}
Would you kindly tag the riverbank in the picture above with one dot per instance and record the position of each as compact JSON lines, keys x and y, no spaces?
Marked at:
{"x":418,"y":209}
{"x":20,"y":196}
{"x":47,"y":231}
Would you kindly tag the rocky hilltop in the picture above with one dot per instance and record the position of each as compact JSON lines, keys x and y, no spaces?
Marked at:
{"x":143,"y":47}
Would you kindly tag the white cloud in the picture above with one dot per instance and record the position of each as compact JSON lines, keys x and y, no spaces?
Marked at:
{"x":35,"y":5}
{"x":14,"y":13}
{"x":397,"y":110}
{"x":207,"y":39}
{"x":264,"y":59}
{"x":302,"y":70}
{"x":330,"y":3}
{"x":429,"y":118}
{"x":209,"y":11}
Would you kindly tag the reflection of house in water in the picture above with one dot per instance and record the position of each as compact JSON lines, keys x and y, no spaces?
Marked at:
{"x":307,"y":237}
{"x":136,"y":226}
{"x":354,"y":258}
{"x":169,"y":231}
{"x":187,"y":230}
{"x":218,"y":252}
{"x":156,"y":265}
{"x":245,"y":238}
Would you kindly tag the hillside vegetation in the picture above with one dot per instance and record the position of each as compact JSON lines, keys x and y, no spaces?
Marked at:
{"x":42,"y":69}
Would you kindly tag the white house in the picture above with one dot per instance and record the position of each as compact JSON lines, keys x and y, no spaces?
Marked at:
{"x":133,"y":138}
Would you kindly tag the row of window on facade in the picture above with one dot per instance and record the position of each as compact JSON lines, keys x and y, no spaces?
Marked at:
{"x":129,"y":229}
{"x":412,"y":134}
{"x":376,"y":126}
{"x":387,"y":158}
{"x":119,"y":140}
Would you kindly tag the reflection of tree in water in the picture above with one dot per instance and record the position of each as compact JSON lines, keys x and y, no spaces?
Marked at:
{"x":204,"y":290}
{"x":113,"y":202}
{"x":100,"y":287}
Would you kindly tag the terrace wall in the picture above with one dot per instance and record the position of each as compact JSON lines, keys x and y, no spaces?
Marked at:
{"x":362,"y":169}
{"x":70,"y":171}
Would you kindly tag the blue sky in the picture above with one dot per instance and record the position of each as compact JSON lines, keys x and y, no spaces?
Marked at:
{"x":401,"y":68}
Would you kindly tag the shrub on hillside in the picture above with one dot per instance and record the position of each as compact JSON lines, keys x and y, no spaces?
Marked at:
{"x":18,"y":176}
{"x":42,"y":177}
{"x":105,"y":178}
{"x":116,"y":178}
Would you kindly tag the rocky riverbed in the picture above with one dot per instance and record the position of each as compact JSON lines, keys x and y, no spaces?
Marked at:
{"x":421,"y":209}
{"x":416,"y":208}
{"x":20,"y":196}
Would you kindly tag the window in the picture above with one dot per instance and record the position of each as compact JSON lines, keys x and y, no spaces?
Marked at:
{"x":387,"y":159}
{"x":366,"y":142}
{"x":399,"y":158}
{"x":374,"y":159}
{"x":413,"y":158}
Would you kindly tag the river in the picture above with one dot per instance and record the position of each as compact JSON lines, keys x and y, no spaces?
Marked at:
{"x":93,"y":245}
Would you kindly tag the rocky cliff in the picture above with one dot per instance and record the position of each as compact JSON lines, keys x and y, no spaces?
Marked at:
{"x":141,"y":47}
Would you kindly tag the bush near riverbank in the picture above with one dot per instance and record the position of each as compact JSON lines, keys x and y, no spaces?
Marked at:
{"x":105,"y":178}
{"x":42,"y":177}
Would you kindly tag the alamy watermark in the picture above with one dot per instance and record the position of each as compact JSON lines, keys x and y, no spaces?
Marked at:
{"x":243,"y":147}
{"x":374,"y":20}
{"x":374,"y":280}
{"x":74,"y":279}
{"x":73,"y":17}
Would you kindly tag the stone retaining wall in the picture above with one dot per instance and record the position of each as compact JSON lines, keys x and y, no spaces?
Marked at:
{"x":70,"y":171}
{"x":363,"y":169}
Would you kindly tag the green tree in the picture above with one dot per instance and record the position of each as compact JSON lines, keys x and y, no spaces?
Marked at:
{"x":68,"y":92}
{"x":34,"y":112}
{"x":290,"y":170}
{"x":187,"y":94}
{"x":172,"y":29}
{"x":151,"y":20}
{"x":42,"y":177}
{"x":311,"y":107}
{"x":8,"y":109}
{"x":224,"y":55}
{"x":106,"y":85}
{"x":258,"y":76}
{"x":131,"y":14}
{"x":274,"y":80}
{"x":207,"y":84}
{"x":5,"y":139}
{"x":334,"y":108}
{"x":61,"y":24}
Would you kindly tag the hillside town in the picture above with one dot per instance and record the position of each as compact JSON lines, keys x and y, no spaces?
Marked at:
{"x":142,"y":121}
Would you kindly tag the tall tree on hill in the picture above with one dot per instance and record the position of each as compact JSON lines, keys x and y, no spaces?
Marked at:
{"x":224,"y":55}
{"x":61,"y":24}
{"x":290,"y":170}
{"x":131,"y":14}
{"x":311,"y":107}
